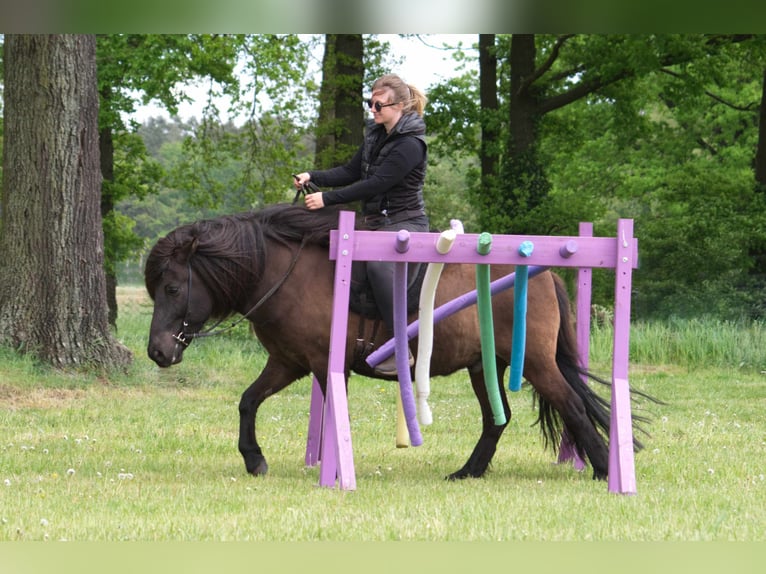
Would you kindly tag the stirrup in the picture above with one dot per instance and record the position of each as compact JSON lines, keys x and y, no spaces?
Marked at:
{"x":388,"y":367}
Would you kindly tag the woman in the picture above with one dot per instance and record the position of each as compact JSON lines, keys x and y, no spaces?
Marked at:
{"x":386,"y":174}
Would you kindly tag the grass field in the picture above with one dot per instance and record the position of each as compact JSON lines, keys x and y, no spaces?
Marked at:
{"x":150,"y":454}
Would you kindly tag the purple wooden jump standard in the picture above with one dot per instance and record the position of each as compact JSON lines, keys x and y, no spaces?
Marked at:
{"x":567,"y":452}
{"x":329,"y":416}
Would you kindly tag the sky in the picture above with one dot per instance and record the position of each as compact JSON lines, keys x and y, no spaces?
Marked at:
{"x":424,"y":63}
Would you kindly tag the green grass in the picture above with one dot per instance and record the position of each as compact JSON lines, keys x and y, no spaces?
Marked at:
{"x":691,"y":343}
{"x":151,"y":454}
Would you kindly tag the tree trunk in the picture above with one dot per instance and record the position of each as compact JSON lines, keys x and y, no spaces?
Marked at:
{"x":757,"y":250}
{"x":52,"y":285}
{"x":340,"y":127}
{"x":490,"y":123}
{"x":760,"y":152}
{"x":106,"y":153}
{"x":523,"y":109}
{"x":508,"y":208}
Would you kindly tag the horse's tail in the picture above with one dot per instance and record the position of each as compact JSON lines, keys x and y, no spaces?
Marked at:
{"x":568,"y":361}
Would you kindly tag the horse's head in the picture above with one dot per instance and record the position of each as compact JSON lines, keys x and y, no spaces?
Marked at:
{"x":182,"y":304}
{"x":210,"y":269}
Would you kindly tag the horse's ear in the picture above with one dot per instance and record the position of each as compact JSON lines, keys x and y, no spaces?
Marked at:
{"x":185,"y":251}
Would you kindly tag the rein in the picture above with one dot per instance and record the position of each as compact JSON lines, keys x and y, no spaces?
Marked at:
{"x":183,"y":338}
{"x":310,"y":186}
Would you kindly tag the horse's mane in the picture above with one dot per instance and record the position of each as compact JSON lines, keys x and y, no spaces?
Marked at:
{"x":229,"y":252}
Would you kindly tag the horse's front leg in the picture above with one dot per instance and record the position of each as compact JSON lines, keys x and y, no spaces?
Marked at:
{"x":274,"y":377}
{"x":485,"y":448}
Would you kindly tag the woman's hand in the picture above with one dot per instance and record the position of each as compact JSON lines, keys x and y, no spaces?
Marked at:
{"x":301,"y":179}
{"x":314,"y":200}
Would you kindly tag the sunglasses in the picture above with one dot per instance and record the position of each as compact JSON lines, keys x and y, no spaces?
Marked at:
{"x":378,"y":106}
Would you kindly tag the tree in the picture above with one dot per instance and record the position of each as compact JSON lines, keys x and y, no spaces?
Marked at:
{"x":665,"y":129}
{"x":52,"y":283}
{"x":152,"y":66}
{"x":673,"y":149}
{"x":489,"y":154}
{"x":760,"y":153}
{"x":546,"y":74}
{"x":276,"y":96}
{"x":340,"y":125}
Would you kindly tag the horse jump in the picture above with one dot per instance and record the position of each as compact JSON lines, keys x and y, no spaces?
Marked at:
{"x":329,"y":435}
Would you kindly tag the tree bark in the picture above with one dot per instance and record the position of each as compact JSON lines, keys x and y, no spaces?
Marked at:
{"x":760,"y":152}
{"x":490,"y":123}
{"x":523,"y":183}
{"x":340,"y":126}
{"x":52,"y":283}
{"x":524,"y":114}
{"x":106,"y":153}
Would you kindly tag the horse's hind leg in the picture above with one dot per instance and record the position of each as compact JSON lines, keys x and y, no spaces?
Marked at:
{"x":274,"y":377}
{"x":554,"y":392}
{"x":485,"y":448}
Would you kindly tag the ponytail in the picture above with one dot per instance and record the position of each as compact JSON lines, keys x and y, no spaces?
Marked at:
{"x":418,"y":100}
{"x":414,"y":99}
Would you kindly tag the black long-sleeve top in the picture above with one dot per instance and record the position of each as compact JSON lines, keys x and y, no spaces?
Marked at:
{"x":386,"y":174}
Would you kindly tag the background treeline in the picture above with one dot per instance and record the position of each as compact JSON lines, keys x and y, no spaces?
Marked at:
{"x":537,"y":134}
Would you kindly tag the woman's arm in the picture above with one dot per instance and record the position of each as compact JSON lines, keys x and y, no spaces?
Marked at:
{"x":403,"y":158}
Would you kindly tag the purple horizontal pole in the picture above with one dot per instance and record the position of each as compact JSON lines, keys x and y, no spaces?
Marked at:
{"x":550,"y":251}
{"x":450,"y":308}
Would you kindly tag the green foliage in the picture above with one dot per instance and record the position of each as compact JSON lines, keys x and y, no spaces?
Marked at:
{"x":135,"y":172}
{"x":158,"y":213}
{"x":2,"y":83}
{"x":674,"y":152}
{"x":210,"y":165}
{"x":696,"y":235}
{"x":146,"y":67}
{"x":453,"y":113}
{"x":253,"y":161}
{"x":447,"y":196}
{"x":667,"y":139}
{"x":119,"y":240}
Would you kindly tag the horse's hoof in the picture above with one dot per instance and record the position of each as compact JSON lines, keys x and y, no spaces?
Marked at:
{"x":459,"y":475}
{"x":261,"y":468}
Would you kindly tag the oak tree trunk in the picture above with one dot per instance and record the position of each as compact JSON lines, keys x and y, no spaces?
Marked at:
{"x":52,"y":284}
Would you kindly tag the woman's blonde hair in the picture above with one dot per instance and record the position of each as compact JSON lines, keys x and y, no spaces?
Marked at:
{"x":412,"y":98}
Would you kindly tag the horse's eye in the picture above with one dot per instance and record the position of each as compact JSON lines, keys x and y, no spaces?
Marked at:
{"x":171,"y":289}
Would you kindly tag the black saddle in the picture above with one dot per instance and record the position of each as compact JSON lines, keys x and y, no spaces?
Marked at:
{"x":362,"y":300}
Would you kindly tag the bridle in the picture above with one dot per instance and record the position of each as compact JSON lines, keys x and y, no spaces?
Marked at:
{"x":184,"y":338}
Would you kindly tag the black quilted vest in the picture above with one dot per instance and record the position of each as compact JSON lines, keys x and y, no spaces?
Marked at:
{"x":406,"y":198}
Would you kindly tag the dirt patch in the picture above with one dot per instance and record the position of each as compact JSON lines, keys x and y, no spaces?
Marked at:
{"x":133,"y":295}
{"x":12,"y":398}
